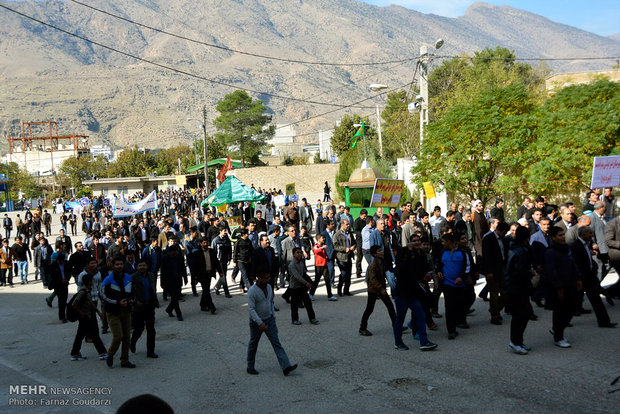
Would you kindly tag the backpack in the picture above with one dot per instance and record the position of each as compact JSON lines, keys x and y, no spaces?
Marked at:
{"x":71,"y":313}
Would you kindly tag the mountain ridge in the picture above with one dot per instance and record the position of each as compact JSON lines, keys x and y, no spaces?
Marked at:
{"x":48,"y":75}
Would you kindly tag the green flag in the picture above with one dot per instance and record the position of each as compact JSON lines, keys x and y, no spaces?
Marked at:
{"x":360,"y":132}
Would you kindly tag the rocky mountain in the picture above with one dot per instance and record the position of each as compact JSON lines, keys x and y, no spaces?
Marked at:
{"x":48,"y":75}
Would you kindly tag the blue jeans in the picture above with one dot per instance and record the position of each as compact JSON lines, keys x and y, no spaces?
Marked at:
{"x":272,"y":335}
{"x":245,"y":277}
{"x":369,"y":258}
{"x":402,"y":304}
{"x":22,"y":269}
{"x":332,"y":272}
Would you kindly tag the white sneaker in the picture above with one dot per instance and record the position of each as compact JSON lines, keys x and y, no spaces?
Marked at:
{"x":563,"y":343}
{"x":517,"y":349}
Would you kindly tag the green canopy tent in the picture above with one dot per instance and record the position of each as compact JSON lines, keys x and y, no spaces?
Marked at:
{"x":232,"y":191}
{"x":216,"y":162}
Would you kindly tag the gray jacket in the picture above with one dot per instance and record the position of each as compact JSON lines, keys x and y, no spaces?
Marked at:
{"x":340,"y":245}
{"x":296,"y":273}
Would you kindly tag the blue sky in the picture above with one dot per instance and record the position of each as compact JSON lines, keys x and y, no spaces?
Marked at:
{"x":597,"y":16}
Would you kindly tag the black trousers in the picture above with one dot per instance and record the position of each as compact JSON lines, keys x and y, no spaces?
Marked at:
{"x":520,"y":309}
{"x":370,"y":307}
{"x":62,"y":292}
{"x":142,"y":319}
{"x":321,"y":271}
{"x":205,"y":299}
{"x":592,"y":288}
{"x":3,"y":276}
{"x":358,"y":255}
{"x":87,"y":327}
{"x":455,"y":303}
{"x":300,"y":296}
{"x":174,"y":303}
{"x":344,"y":281}
{"x":563,"y":311}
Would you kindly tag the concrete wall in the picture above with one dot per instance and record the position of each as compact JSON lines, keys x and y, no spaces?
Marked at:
{"x":309,"y":179}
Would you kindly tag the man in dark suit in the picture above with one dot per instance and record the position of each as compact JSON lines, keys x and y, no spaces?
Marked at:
{"x":320,"y":222}
{"x":7,"y":223}
{"x":481,"y":227}
{"x":207,"y":267}
{"x":265,"y":260}
{"x":494,"y":253}
{"x":306,"y":215}
{"x":329,"y":250}
{"x":522,"y":209}
{"x":582,"y":255}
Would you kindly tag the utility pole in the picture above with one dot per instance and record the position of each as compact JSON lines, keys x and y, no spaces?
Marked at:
{"x":206,"y":158}
{"x":379,"y":131}
{"x":424,"y":60}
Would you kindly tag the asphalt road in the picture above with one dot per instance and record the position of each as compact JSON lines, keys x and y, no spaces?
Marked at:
{"x":202,"y":363}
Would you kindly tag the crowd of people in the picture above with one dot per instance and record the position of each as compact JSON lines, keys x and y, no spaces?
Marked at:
{"x":547,"y":256}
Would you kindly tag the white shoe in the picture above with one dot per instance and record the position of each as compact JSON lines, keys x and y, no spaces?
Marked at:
{"x":517,"y":349}
{"x":563,"y":343}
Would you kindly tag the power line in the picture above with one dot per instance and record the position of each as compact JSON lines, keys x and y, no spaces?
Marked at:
{"x":349,"y":106}
{"x":228,"y":49}
{"x":180,"y":71}
{"x":526,"y":59}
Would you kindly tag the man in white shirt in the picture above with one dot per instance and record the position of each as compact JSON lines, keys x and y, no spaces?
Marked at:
{"x":435,"y":221}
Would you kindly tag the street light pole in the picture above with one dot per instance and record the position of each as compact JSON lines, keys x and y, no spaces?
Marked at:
{"x":206,"y":157}
{"x":376,"y":87}
{"x":424,"y":62}
{"x":423,"y":90}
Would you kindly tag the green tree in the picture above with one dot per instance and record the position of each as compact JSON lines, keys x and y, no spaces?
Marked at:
{"x":401,"y":129}
{"x":76,"y":169}
{"x":460,"y":81}
{"x":480,"y":145}
{"x":133,"y":162}
{"x":243,"y":125}
{"x":21,"y":180}
{"x":341,"y":138}
{"x":578,"y":123}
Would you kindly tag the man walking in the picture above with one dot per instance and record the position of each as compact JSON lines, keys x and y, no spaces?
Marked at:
{"x":263,"y":319}
{"x":144,"y":287}
{"x":344,"y":248}
{"x":7,"y":223}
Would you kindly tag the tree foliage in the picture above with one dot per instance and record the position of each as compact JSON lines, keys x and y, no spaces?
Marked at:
{"x":133,"y":162}
{"x":243,"y":125}
{"x":460,"y":81}
{"x":21,"y":180}
{"x":578,"y":123}
{"x":343,"y":133}
{"x":507,"y":140}
{"x":401,"y":129}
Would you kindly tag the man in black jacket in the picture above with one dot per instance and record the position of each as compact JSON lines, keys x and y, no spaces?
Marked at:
{"x":144,"y":287}
{"x":265,"y":260}
{"x":78,"y":260}
{"x":582,"y":255}
{"x":494,"y":254}
{"x":207,"y":267}
{"x":60,"y":275}
{"x":564,"y":282}
{"x":242,"y":257}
